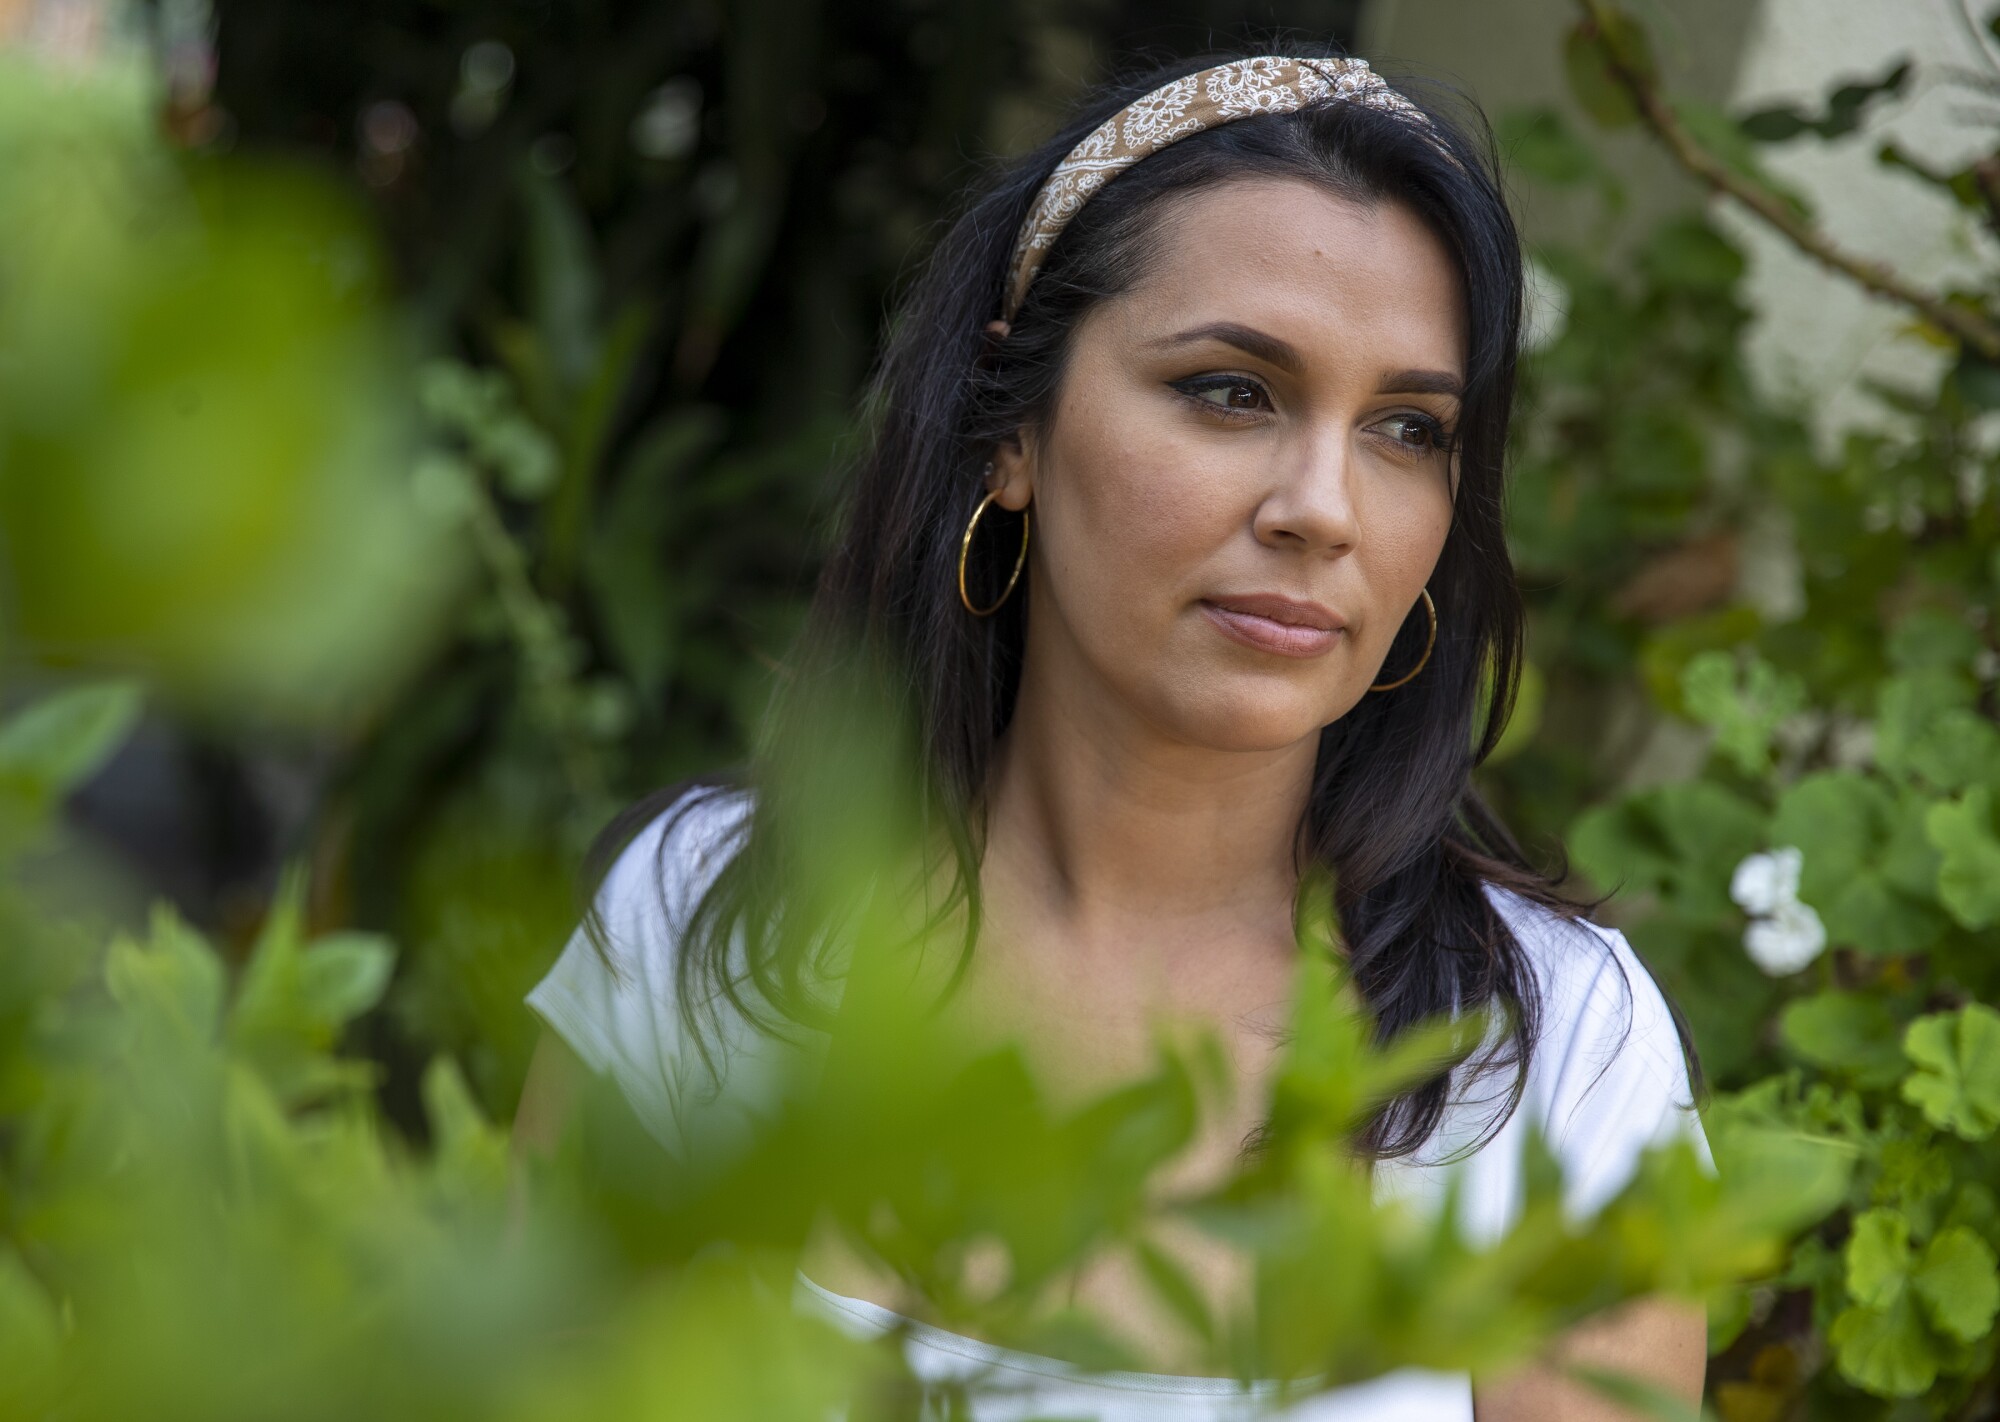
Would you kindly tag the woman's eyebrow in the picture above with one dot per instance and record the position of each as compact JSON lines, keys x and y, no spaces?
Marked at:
{"x":1247,"y":339}
{"x":1285,"y":356}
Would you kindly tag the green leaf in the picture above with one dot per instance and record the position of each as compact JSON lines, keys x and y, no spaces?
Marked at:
{"x":1837,"y":819}
{"x":1788,"y":1175}
{"x":1969,"y":876}
{"x":1878,"y":1258}
{"x":1660,"y":454}
{"x":1683,"y":840}
{"x":1885,"y":1352}
{"x":294,"y":1000}
{"x":563,"y":282}
{"x":1848,"y":105}
{"x":1957,"y":1080}
{"x":1171,"y":1282}
{"x":236,"y":515}
{"x":1909,"y":861}
{"x":1774,"y":125}
{"x":1912,"y":1172}
{"x":30,"y":1326}
{"x":1619,"y":846}
{"x":57,"y":742}
{"x":1859,"y":853}
{"x":469,"y":1154}
{"x":1959,"y":1283}
{"x":1728,"y":1316}
{"x":1591,"y":83}
{"x":448,"y":1105}
{"x":1845,"y":109}
{"x":174,"y":979}
{"x":589,"y":425}
{"x":1928,"y":640}
{"x":1744,"y":708}
{"x":1691,"y":255}
{"x":344,"y":975}
{"x":639,"y":592}
{"x":1921,"y":725}
{"x":1978,"y":379}
{"x":1537,"y":142}
{"x":1845,"y":1032}
{"x":1868,"y":914}
{"x":522,"y":456}
{"x":1959,"y":748}
{"x":1707,"y":823}
{"x":1641,"y":1397}
{"x":1976,"y":1207}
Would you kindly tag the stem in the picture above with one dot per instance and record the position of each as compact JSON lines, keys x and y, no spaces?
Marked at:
{"x":1971,"y":327}
{"x":1986,"y":172}
{"x":1979,"y":1401}
{"x":537,"y":631}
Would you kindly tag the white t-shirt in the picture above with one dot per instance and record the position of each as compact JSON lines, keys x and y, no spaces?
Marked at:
{"x":1607,"y":1080}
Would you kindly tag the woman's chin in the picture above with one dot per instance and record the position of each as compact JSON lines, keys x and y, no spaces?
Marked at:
{"x":1257,"y":724}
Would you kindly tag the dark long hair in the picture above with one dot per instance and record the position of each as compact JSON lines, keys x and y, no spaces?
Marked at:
{"x":1392,"y":812}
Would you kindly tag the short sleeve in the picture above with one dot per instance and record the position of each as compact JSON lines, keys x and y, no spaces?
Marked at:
{"x":1606,"y":1080}
{"x":1614,"y":1080}
{"x":615,"y":1002}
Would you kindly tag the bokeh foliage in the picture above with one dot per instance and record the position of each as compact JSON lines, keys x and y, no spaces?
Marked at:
{"x":461,"y":390}
{"x":648,"y":248}
{"x":207,"y":1215}
{"x":1823,"y":611}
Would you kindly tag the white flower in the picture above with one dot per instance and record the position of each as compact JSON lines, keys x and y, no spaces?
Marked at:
{"x":1787,"y":940}
{"x":1784,"y":934}
{"x":1765,"y":883}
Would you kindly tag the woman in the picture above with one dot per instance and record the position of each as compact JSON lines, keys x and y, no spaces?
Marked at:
{"x":1183,"y":506}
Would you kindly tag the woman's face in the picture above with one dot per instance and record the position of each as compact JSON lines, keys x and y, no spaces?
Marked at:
{"x":1245,"y":482}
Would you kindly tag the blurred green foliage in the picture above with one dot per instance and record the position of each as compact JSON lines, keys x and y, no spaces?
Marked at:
{"x":206,"y":1216}
{"x":648,"y":249}
{"x":1824,"y":612}
{"x":488,"y":454}
{"x":201,"y":410}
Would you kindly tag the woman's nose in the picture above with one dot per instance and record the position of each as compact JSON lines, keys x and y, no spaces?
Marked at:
{"x":1310,"y":505}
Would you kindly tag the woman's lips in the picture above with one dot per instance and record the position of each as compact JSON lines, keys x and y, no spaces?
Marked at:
{"x":1277,"y":625}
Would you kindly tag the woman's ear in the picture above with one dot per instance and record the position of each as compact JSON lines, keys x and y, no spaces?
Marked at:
{"x":1010,"y":473}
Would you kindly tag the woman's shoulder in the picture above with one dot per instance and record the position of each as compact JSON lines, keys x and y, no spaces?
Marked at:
{"x":613,"y":992}
{"x":678,"y":847}
{"x":1606,"y":1077}
{"x":1600,"y":1004}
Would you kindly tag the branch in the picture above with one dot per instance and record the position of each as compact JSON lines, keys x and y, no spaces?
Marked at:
{"x":1974,"y":329}
{"x":1986,"y":172}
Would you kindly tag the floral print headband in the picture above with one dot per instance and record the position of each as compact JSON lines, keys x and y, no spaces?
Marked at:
{"x":1270,"y":84}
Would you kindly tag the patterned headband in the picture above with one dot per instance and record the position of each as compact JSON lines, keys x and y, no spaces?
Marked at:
{"x":1270,"y":84}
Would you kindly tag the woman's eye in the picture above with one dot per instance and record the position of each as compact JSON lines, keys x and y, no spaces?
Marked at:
{"x":1231,"y":393}
{"x":1420,"y":434}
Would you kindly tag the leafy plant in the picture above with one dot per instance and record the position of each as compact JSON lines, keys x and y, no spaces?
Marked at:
{"x":520,"y":541}
{"x":1852,"y":730}
{"x":205,"y":1215}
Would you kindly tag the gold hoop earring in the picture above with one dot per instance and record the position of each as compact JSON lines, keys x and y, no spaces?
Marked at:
{"x":965,"y":547}
{"x":1431,"y":608}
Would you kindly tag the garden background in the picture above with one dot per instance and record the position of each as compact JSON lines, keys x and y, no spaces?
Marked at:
{"x":418,"y":423}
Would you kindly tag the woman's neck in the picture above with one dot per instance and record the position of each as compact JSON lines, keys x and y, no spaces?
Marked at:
{"x":1102,"y":819}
